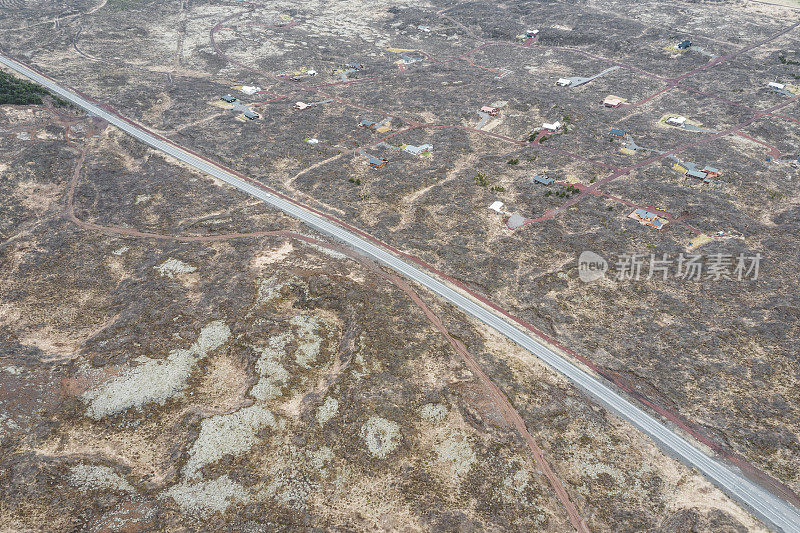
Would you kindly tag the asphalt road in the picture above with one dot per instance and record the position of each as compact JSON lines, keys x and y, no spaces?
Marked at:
{"x":774,"y":511}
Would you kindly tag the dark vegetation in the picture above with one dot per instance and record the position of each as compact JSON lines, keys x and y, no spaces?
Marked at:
{"x":15,"y":91}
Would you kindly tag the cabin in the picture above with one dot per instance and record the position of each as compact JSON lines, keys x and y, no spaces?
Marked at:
{"x":555,"y":126}
{"x":376,"y":162}
{"x":564,"y":82}
{"x":616,"y":132}
{"x":543,"y":179}
{"x":301,"y":105}
{"x":228,"y":98}
{"x":646,"y":218}
{"x":251,"y":115}
{"x":489,"y":110}
{"x":684,"y":45}
{"x":612,"y":101}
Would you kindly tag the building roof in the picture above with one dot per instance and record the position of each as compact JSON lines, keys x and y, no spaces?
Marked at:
{"x":685,"y":44}
{"x":696,"y":174}
{"x":544,"y":180}
{"x":618,"y":132}
{"x":416,"y":150}
{"x":228,"y":98}
{"x":251,"y":114}
{"x":711,"y":170}
{"x":488,"y":109}
{"x":376,"y":161}
{"x":554,"y":126}
{"x":366,"y":123}
{"x":564,"y":81}
{"x":496,"y":206}
{"x":646,"y":217}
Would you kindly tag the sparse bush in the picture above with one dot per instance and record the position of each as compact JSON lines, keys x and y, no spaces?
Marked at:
{"x":480,"y":179}
{"x":513,"y":161}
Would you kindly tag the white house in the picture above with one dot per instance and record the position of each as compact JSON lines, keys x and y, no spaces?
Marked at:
{"x":776,"y":85}
{"x":497,"y":206}
{"x":564,"y":82}
{"x":555,"y":126}
{"x":301,"y":105}
{"x":250,"y":90}
{"x":417,"y":150}
{"x":677,"y":120}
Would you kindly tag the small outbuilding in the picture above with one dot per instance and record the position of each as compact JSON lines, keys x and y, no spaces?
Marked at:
{"x":489,"y":110}
{"x":684,"y":45}
{"x":612,"y":101}
{"x":251,"y":115}
{"x":564,"y":82}
{"x":616,"y":132}
{"x":497,"y":206}
{"x":543,"y":179}
{"x":301,"y":105}
{"x":228,"y":98}
{"x":554,"y":126}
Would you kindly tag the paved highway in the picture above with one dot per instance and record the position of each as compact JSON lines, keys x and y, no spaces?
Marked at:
{"x":774,"y":511}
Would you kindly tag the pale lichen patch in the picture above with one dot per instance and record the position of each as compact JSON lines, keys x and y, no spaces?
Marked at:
{"x":154,"y":380}
{"x":381,"y":436}
{"x":98,"y":477}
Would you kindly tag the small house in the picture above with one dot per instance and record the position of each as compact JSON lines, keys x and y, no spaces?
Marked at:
{"x":367,"y":124}
{"x":489,"y":110}
{"x":250,"y":90}
{"x":711,"y":172}
{"x":497,"y":206}
{"x":676,"y":121}
{"x":530,"y":34}
{"x":251,"y":115}
{"x":355,"y":66}
{"x":555,"y":126}
{"x":564,"y":82}
{"x":376,"y":162}
{"x":301,"y":105}
{"x":612,"y":101}
{"x":228,"y":98}
{"x":311,"y":72}
{"x":418,"y":150}
{"x":684,"y":45}
{"x":616,"y":132}
{"x":646,"y":218}
{"x":543,"y":179}
{"x":776,"y":85}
